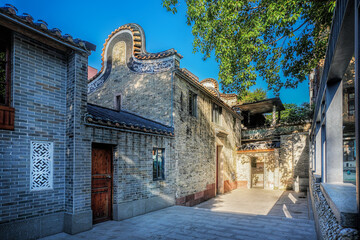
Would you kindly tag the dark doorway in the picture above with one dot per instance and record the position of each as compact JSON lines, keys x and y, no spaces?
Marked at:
{"x":257,"y":173}
{"x":101,"y":182}
{"x":218,"y":150}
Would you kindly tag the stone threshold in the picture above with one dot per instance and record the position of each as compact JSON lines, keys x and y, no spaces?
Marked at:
{"x":341,"y":198}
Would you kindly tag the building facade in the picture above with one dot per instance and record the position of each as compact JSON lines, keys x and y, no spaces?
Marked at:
{"x":206,"y":129}
{"x":334,"y":134}
{"x":142,"y":134}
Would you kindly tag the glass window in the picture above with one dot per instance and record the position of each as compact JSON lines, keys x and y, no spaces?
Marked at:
{"x":158,"y":164}
{"x":351,"y":104}
{"x":4,"y":72}
{"x":216,"y":113}
{"x":349,"y":166}
{"x":192,"y":104}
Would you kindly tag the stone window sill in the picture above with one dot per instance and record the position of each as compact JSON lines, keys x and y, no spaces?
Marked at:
{"x":341,"y":198}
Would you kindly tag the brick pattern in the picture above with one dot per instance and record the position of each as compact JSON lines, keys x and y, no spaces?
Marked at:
{"x":198,"y":197}
{"x":78,"y":166}
{"x":133,"y":164}
{"x":230,"y":185}
{"x":148,"y":95}
{"x":283,"y":165}
{"x":196,"y":141}
{"x":39,"y":93}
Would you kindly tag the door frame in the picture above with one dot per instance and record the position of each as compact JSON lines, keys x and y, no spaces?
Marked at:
{"x":251,"y":175}
{"x":218,"y":170}
{"x":110,"y":147}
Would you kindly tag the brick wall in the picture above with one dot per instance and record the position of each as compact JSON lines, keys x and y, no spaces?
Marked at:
{"x":133,"y":163}
{"x":39,"y":96}
{"x":285,"y":168}
{"x":196,"y":141}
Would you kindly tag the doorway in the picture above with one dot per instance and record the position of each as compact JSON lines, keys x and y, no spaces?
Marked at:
{"x":217,"y":175}
{"x":101,"y":182}
{"x":257,"y":173}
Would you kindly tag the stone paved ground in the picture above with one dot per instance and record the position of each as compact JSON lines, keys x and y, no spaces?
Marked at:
{"x":189,"y":223}
{"x":252,"y":201}
{"x":203,"y":222}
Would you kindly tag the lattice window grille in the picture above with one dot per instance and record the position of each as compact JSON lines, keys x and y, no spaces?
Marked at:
{"x":41,"y":165}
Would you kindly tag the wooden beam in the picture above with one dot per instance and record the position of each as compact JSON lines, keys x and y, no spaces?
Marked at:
{"x":256,"y":150}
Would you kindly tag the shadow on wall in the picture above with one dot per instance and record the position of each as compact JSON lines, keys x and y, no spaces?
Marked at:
{"x":294,"y":165}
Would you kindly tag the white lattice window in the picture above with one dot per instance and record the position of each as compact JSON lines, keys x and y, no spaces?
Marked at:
{"x":41,"y":165}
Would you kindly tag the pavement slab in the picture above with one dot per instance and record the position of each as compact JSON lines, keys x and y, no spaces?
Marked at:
{"x":185,"y":223}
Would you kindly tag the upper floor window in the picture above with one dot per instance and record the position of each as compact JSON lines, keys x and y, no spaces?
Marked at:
{"x":216,"y":113}
{"x":193,"y":104}
{"x":158,"y":164}
{"x":351,"y":104}
{"x":7,"y":113}
{"x":5,"y":68}
{"x":118,"y":102}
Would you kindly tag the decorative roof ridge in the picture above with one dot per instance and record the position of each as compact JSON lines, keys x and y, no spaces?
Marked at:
{"x":213,"y":80}
{"x":139,"y":46}
{"x":134,"y":114}
{"x":11,"y":11}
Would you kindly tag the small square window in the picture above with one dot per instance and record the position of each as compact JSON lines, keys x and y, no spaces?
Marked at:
{"x":193,"y":104}
{"x":158,"y":164}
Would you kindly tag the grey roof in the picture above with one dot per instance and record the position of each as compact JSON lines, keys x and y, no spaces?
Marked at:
{"x":263,"y":106}
{"x":125,"y":120}
{"x":10,"y":12}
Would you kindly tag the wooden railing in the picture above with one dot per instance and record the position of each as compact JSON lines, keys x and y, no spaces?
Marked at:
{"x":7,"y":116}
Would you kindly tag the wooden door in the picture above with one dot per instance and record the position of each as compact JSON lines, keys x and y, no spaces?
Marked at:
{"x":101,"y":182}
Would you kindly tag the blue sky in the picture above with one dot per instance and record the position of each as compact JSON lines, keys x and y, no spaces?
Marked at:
{"x":95,"y":20}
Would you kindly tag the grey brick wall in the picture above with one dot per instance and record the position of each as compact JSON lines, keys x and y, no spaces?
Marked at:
{"x":145,"y":94}
{"x":196,"y":140}
{"x":39,"y":96}
{"x":133,"y":163}
{"x":78,"y":153}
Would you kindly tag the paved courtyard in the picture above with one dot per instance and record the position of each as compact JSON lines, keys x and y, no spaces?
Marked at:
{"x":214,"y":220}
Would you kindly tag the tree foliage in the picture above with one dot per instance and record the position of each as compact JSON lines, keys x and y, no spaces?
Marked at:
{"x":260,"y":38}
{"x":294,"y":114}
{"x":252,"y":96}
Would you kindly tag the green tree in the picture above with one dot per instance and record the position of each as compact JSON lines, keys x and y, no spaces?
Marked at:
{"x":257,"y":95}
{"x":260,"y":38}
{"x":296,"y":114}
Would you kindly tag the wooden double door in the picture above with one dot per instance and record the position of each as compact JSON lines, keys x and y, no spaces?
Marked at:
{"x":101,"y":182}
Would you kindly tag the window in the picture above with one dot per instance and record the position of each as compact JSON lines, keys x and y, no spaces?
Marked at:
{"x":5,"y":68}
{"x":118,"y":102}
{"x":192,"y":104}
{"x":349,"y":167}
{"x":234,"y":123}
{"x":41,"y":165}
{"x":216,"y":114}
{"x":351,"y":104}
{"x":158,"y":164}
{"x":7,"y":113}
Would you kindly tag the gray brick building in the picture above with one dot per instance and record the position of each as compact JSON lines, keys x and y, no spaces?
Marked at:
{"x":140,"y":135}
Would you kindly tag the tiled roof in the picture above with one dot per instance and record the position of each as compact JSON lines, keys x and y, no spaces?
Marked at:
{"x":139,"y":50}
{"x":125,"y":120}
{"x":228,"y":95}
{"x":10,"y":12}
{"x":211,"y":92}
